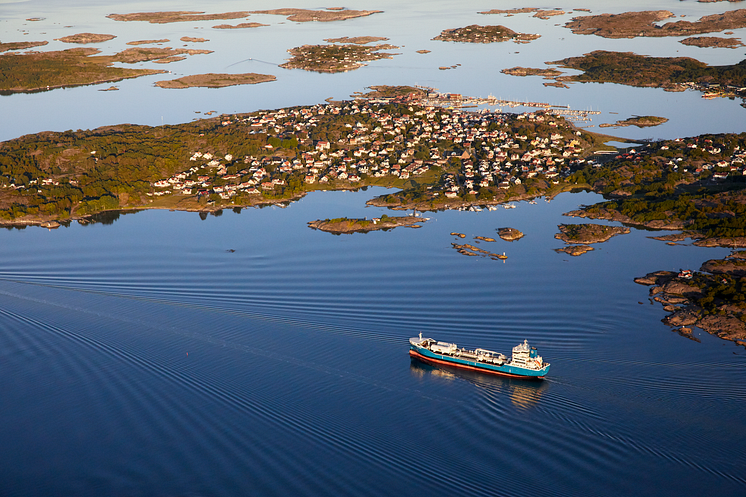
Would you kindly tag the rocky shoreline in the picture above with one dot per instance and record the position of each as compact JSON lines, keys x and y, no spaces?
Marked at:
{"x":700,"y":240}
{"x":711,"y":299}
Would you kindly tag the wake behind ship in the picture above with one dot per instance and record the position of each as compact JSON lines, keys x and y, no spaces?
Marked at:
{"x":524,"y":363}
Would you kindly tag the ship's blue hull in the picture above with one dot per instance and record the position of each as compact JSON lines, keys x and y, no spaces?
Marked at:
{"x":430,"y":357}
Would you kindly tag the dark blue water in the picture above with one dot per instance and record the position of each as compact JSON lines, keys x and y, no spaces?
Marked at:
{"x":246,"y":354}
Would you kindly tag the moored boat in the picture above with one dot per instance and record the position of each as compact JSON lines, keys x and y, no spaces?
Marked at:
{"x":525,"y":362}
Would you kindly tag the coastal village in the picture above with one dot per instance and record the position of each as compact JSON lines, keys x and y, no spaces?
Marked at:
{"x":440,"y":150}
{"x":460,"y":152}
{"x":464,"y":157}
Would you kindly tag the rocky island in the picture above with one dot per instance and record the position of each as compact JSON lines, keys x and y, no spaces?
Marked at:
{"x":79,"y":66}
{"x":634,"y":24}
{"x":484,"y":34}
{"x":357,"y":40}
{"x":669,"y":73}
{"x":574,"y":250}
{"x":309,"y":15}
{"x":588,"y":233}
{"x":241,"y":25}
{"x":530,"y":71}
{"x":73,"y":67}
{"x":21,"y":45}
{"x":639,"y":121}
{"x":580,"y":236}
{"x":509,"y":234}
{"x":540,"y":13}
{"x":712,"y":42}
{"x":335,"y":58}
{"x":176,"y":16}
{"x":82,"y":38}
{"x":472,"y":251}
{"x":211,"y":80}
{"x":148,"y":42}
{"x":713,"y":298}
{"x":345,"y":225}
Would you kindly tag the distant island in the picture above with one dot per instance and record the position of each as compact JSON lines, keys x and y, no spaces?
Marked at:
{"x":308,"y":15}
{"x":296,"y":15}
{"x":211,"y":80}
{"x":79,"y":66}
{"x":347,"y":225}
{"x":335,"y":57}
{"x":530,"y":71}
{"x":21,"y":45}
{"x":484,"y":34}
{"x":669,"y":73}
{"x":83,"y":38}
{"x":540,"y":13}
{"x":242,"y":25}
{"x":639,"y":121}
{"x":35,"y":71}
{"x":358,"y":40}
{"x":636,"y":24}
{"x":175,"y":16}
{"x":672,"y":73}
{"x":712,"y":42}
{"x":72,"y":67}
{"x":148,"y":42}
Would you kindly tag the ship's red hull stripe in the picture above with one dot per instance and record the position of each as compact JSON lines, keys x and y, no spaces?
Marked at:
{"x":430,"y":360}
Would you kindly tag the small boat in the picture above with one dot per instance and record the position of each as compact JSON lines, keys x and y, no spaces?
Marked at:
{"x":524,"y":363}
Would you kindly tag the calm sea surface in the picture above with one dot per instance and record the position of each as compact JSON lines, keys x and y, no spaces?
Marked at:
{"x":166,"y":353}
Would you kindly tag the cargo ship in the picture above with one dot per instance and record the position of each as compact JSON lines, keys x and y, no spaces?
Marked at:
{"x":524,"y":363}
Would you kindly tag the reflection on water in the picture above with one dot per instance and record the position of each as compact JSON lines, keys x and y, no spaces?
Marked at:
{"x":523,"y":394}
{"x":105,"y":218}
